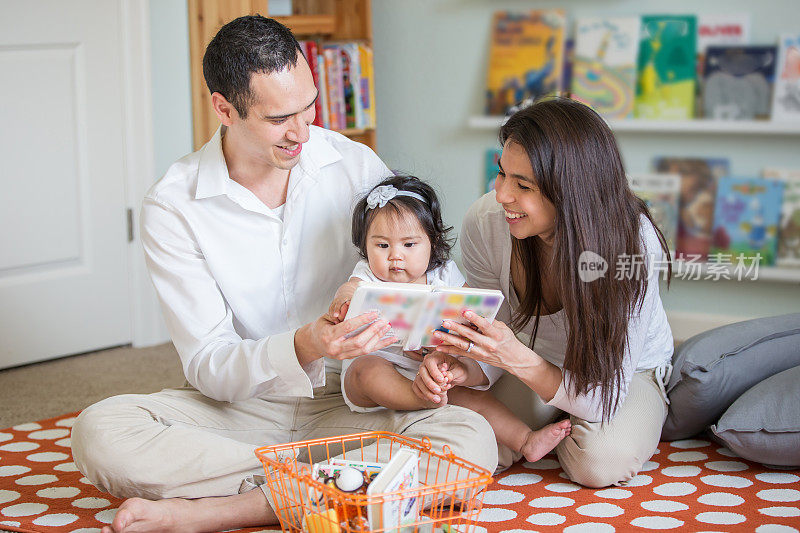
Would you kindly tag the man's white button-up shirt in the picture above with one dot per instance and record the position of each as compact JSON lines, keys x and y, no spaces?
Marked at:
{"x":235,"y":280}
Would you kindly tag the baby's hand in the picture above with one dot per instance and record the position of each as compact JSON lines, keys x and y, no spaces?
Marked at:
{"x":341,"y":301}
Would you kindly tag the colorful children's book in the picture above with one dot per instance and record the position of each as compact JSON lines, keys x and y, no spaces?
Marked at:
{"x":416,"y":311}
{"x":738,"y":82}
{"x":367,"y":85}
{"x":604,"y":71}
{"x":312,"y":56}
{"x":666,"y":68}
{"x":661,"y":193}
{"x":696,"y":204}
{"x":746,"y":218}
{"x":324,"y":91}
{"x":492,"y":168}
{"x":786,"y":99}
{"x":333,"y":66}
{"x":351,"y":79}
{"x":718,"y":29}
{"x":399,"y":482}
{"x":525,"y":58}
{"x":789,"y":230}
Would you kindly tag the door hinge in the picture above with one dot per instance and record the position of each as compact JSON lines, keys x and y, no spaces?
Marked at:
{"x":129,"y":216}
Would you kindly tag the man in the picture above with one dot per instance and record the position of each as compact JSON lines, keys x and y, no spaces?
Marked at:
{"x":246,"y":241}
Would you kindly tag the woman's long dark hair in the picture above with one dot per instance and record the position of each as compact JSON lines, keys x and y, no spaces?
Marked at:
{"x":577,"y":166}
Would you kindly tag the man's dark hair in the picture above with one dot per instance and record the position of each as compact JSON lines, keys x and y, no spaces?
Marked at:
{"x":429,"y":214}
{"x":241,"y":47}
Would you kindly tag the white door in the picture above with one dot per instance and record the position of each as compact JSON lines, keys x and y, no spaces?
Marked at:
{"x":63,"y":233}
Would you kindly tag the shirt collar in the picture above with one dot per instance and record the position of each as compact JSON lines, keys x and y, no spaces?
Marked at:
{"x":213,"y":177}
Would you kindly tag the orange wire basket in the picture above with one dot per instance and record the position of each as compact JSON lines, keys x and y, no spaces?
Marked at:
{"x":450,"y":491}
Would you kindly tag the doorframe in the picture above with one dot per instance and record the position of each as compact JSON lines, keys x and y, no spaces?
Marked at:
{"x":147,"y":324}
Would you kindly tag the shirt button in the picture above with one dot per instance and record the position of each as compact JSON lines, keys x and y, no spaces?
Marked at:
{"x":285,"y":241}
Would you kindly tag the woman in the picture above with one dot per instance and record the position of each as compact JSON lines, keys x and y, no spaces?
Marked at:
{"x":593,"y":343}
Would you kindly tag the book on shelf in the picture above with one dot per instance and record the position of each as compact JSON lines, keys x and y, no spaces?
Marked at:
{"x":323,"y":89}
{"x":717,"y":29}
{"x":394,"y":511}
{"x":666,"y":70}
{"x":789,"y":229}
{"x":492,"y":160}
{"x":333,"y":73}
{"x":351,"y":80}
{"x":746,"y":218}
{"x":786,"y":95}
{"x":661,"y":193}
{"x":569,"y":61}
{"x":311,"y":51}
{"x":526,"y":57}
{"x":367,"y":85}
{"x":737,"y":84}
{"x":698,"y":190}
{"x":415,"y":311}
{"x":604,"y":68}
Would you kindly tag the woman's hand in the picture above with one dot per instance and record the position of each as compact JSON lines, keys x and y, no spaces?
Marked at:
{"x":493,"y":342}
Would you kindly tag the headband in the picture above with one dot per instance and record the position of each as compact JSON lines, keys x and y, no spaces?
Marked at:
{"x":381,"y":194}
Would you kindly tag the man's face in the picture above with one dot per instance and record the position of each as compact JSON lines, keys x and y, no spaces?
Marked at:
{"x":277,"y":122}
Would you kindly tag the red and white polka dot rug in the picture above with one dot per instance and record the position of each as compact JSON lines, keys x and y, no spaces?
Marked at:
{"x":689,"y":485}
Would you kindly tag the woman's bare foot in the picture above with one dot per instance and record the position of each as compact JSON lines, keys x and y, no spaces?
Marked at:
{"x":540,"y":442}
{"x":137,"y":515}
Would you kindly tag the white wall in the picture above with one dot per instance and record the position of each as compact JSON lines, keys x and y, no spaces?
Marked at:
{"x":430,"y":63}
{"x":172,"y":97}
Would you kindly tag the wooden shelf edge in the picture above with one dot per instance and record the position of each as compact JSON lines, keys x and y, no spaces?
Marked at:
{"x":727,"y":127}
{"x":309,"y":24}
{"x":355,"y":131}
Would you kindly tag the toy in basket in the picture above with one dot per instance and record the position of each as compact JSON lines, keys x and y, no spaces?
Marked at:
{"x":377,"y":481}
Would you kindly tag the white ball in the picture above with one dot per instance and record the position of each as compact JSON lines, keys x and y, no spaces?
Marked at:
{"x":349,"y":479}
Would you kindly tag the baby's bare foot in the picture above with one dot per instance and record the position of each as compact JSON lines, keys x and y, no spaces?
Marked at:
{"x":540,"y":442}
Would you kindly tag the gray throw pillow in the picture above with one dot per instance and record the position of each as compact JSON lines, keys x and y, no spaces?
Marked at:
{"x":763,"y":425}
{"x":712,"y":369}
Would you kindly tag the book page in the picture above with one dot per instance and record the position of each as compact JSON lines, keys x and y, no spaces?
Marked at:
{"x":397,"y":303}
{"x":448,"y":304}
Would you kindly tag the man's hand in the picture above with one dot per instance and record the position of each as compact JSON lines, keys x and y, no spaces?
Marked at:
{"x":324,"y":338}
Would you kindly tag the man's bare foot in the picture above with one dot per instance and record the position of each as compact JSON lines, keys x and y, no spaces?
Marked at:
{"x":540,"y":442}
{"x":137,"y":515}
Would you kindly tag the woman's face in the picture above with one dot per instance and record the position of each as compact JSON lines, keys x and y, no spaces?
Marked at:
{"x":528,"y":212}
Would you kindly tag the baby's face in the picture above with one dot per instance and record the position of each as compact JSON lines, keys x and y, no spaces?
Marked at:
{"x":398,"y":249}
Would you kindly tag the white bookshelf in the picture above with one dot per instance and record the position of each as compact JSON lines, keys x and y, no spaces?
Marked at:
{"x":724,"y":272}
{"x":725,"y":127}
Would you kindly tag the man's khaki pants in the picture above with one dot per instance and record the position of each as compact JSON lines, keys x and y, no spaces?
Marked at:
{"x":180,"y":443}
{"x":596,"y":454}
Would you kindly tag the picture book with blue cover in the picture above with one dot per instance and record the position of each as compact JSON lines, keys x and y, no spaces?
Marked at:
{"x":526,"y":57}
{"x":747,"y":214}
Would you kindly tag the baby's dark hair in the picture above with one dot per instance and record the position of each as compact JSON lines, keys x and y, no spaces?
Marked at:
{"x":428,"y":213}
